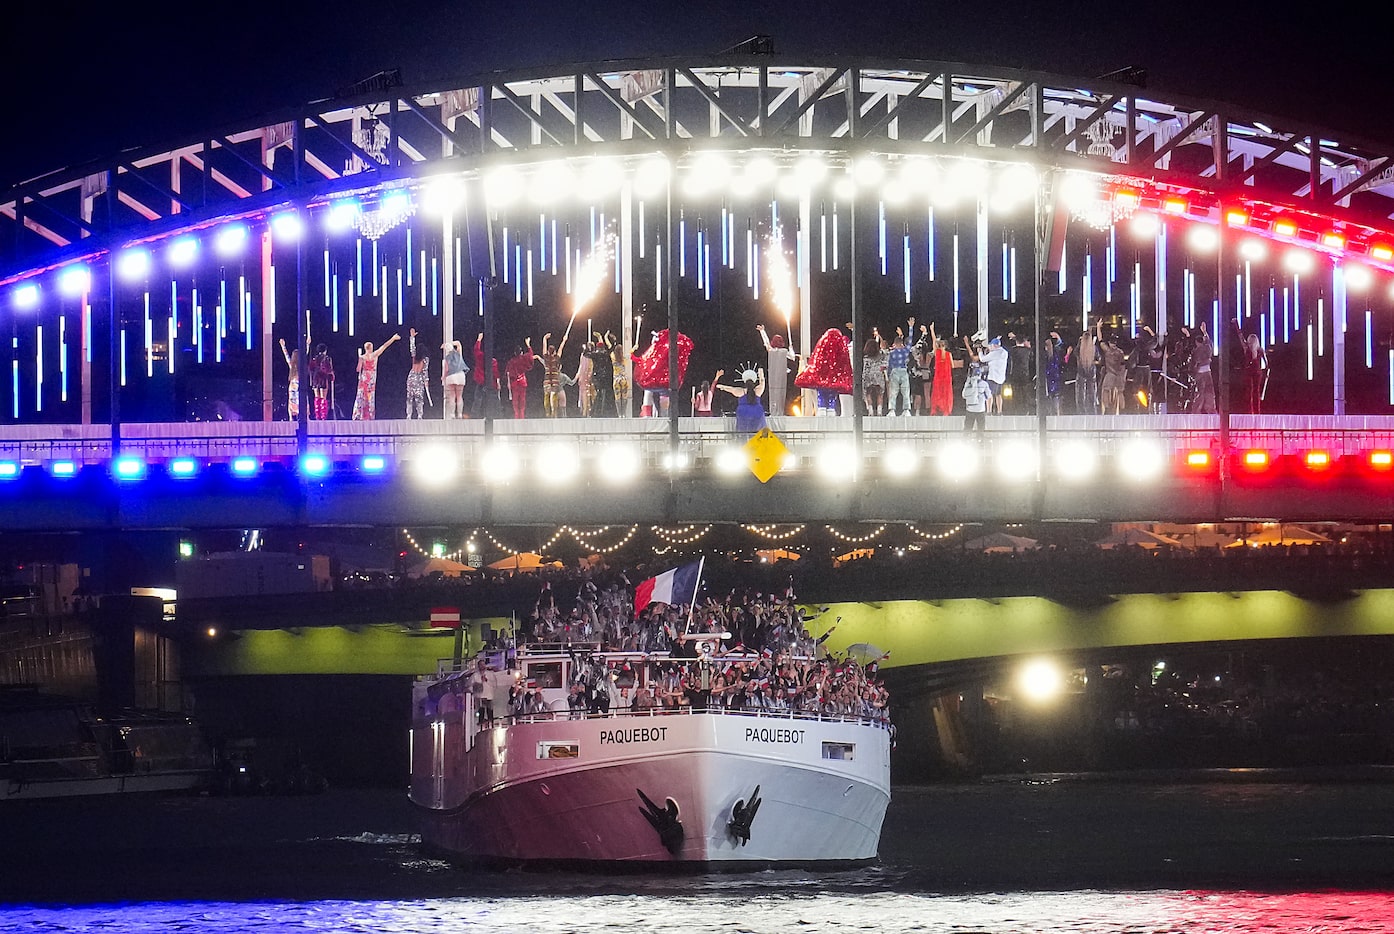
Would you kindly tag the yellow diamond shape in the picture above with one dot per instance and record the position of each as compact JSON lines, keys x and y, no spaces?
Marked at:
{"x":765,"y":454}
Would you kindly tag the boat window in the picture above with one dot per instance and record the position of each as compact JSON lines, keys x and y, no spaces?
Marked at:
{"x":546,"y":674}
{"x":839,"y":750}
{"x":555,"y":750}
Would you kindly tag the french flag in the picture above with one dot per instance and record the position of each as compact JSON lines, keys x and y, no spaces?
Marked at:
{"x":676,"y":586}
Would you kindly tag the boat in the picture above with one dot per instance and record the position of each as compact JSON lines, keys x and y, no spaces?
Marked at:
{"x":54,"y":747}
{"x":555,"y":782}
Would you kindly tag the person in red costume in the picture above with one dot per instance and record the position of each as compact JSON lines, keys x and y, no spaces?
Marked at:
{"x":516,"y":369}
{"x":829,"y":370}
{"x":651,"y":370}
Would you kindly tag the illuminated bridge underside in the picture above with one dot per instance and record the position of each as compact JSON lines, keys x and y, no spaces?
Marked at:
{"x":437,"y":474}
{"x":746,"y":102}
{"x":914,"y":632}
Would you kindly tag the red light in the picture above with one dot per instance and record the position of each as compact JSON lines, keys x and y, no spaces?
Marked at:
{"x":1256,"y":460}
{"x":1381,"y":460}
{"x":1284,"y":228}
{"x":1174,"y":206}
{"x":1317,"y":460}
{"x":1127,"y":197}
{"x":1198,"y":460}
{"x":1382,"y":251}
{"x":1237,"y":218}
{"x":1335,"y":240}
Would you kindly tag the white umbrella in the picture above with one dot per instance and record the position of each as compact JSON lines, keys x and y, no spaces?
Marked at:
{"x":1000,"y":541}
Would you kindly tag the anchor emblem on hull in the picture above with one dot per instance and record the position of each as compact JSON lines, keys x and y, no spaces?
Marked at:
{"x":743,"y":815}
{"x":664,"y":820}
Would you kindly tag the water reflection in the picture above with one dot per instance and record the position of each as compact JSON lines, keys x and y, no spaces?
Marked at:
{"x":770,"y":903}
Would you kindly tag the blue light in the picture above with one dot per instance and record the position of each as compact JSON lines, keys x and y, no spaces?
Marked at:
{"x":314,"y":465}
{"x":373,"y":463}
{"x":62,"y":468}
{"x":342,"y":214}
{"x":182,"y":251}
{"x":287,"y":226}
{"x":74,"y":280}
{"x":8,"y":470}
{"x":245,"y":466}
{"x":230,"y":240}
{"x":128,"y":467}
{"x":183,"y":467}
{"x":25,"y":297}
{"x":134,"y":264}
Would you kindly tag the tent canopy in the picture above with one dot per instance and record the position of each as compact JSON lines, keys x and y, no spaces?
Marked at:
{"x":1000,"y":542}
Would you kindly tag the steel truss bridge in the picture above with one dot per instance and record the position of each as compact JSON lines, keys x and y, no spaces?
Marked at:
{"x":864,"y":137}
{"x":621,"y":472}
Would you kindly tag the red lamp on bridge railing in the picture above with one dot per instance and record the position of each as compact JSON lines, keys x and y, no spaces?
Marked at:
{"x":1382,"y":461}
{"x":1317,"y":461}
{"x":1256,"y":460}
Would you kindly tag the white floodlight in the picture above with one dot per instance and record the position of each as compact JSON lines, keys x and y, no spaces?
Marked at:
{"x":1016,"y":460}
{"x":844,"y":189}
{"x":552,"y":182}
{"x":601,"y":177}
{"x":1078,"y":192}
{"x":810,"y":171}
{"x":710,"y":171}
{"x":958,"y":460}
{"x":868,"y":171}
{"x":731,"y":460}
{"x":1041,"y":680}
{"x":1141,"y":459}
{"x":651,"y":176}
{"x":968,"y":177}
{"x":619,"y":463}
{"x":442,"y":195}
{"x":837,"y":461}
{"x":761,"y":169}
{"x":675,"y":462}
{"x":557,"y":463}
{"x":1145,"y":224}
{"x":900,"y":460}
{"x":434,"y":466}
{"x":1358,"y":276}
{"x":1203,"y":237}
{"x":1299,"y":261}
{"x":503,"y":185}
{"x":1015,"y":185}
{"x":1253,"y":249}
{"x":499,"y":463}
{"x":1076,"y":460}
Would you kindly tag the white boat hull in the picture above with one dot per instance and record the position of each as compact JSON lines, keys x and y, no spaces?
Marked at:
{"x":823,"y":787}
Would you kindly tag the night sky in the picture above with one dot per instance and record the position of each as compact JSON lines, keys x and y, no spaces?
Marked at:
{"x":85,"y":84}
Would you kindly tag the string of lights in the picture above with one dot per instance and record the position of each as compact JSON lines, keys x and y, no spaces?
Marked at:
{"x":855,"y":539}
{"x":686,"y":535}
{"x":425,"y":553}
{"x":935,"y":536}
{"x":769,"y":531}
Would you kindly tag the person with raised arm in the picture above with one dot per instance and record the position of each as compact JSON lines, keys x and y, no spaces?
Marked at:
{"x":941,"y":392}
{"x":365,"y":402}
{"x":516,"y":369}
{"x":453,"y":376}
{"x":418,"y":393}
{"x":778,"y":371}
{"x":553,"y":399}
{"x":750,"y":414}
{"x":293,"y":387}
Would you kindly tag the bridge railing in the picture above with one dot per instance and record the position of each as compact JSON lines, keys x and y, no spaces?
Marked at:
{"x":699,"y":439}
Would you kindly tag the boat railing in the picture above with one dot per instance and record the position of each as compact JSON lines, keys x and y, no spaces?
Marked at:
{"x":685,"y":711}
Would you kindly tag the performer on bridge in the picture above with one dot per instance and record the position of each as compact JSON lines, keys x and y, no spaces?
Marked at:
{"x":454,"y":372}
{"x":829,"y":370}
{"x":516,"y":369}
{"x":778,"y":373}
{"x":293,"y":387}
{"x":321,"y":380}
{"x":553,"y":399}
{"x":365,"y":402}
{"x":418,"y":393}
{"x":750,"y":414}
{"x":941,"y":393}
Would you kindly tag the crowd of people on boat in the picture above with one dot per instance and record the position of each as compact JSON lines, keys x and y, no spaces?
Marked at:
{"x":747,"y":650}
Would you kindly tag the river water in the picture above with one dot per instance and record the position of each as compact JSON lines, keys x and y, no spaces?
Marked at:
{"x":1231,"y":853}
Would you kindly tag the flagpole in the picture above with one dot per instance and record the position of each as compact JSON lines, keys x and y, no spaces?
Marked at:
{"x":692,"y":607}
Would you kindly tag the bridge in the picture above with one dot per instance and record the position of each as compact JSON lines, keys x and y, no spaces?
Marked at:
{"x":620,"y":472}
